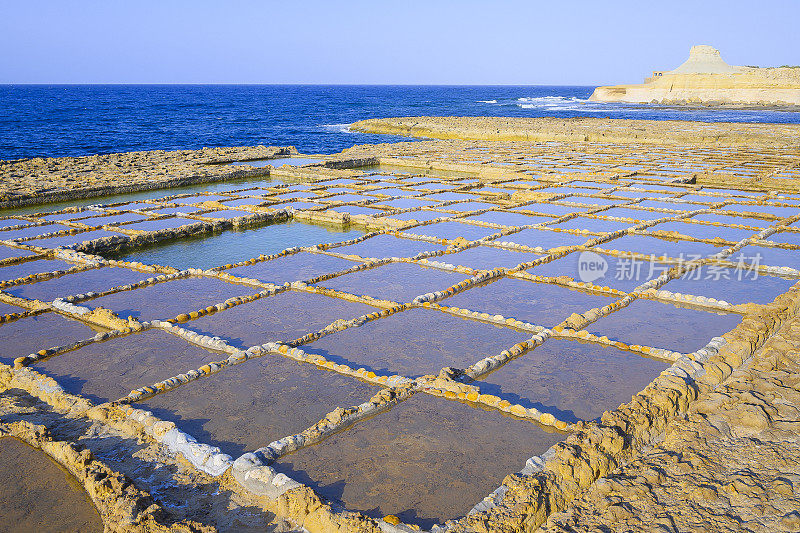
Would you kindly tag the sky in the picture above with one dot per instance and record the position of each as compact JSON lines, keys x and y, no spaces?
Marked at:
{"x":378,"y":42}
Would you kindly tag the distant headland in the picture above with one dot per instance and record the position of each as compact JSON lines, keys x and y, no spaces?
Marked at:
{"x":705,"y":78}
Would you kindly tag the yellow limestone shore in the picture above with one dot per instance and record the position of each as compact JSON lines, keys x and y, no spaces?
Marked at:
{"x":705,"y":78}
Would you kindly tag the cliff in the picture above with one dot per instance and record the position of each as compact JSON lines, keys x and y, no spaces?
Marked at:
{"x":706,"y":79}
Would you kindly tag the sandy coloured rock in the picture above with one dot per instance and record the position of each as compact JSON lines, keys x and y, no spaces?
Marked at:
{"x":705,"y":78}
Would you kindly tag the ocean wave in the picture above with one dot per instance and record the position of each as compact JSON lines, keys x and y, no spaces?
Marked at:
{"x":549,"y":103}
{"x":546,"y":101}
{"x":337,"y":128}
{"x":561,"y":103}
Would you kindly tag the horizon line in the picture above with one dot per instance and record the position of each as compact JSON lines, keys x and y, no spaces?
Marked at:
{"x":304,"y":84}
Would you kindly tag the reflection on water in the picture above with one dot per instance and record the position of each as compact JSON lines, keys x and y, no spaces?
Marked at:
{"x":426,"y":460}
{"x":703,"y":231}
{"x":734,"y":285}
{"x":595,"y":225}
{"x":167,"y":300}
{"x":572,"y":380}
{"x":453,"y":230}
{"x":399,"y":345}
{"x":33,"y":231}
{"x":24,"y":337}
{"x":259,"y":401}
{"x":163,"y":223}
{"x":107,"y":371}
{"x":398,"y":282}
{"x":301,"y":266}
{"x":545,"y":239}
{"x":507,"y":218}
{"x":484,"y":257}
{"x":37,"y":494}
{"x":96,"y":279}
{"x":69,"y":240}
{"x":388,"y":246}
{"x":282,"y":317}
{"x":144,"y":195}
{"x":662,"y":325}
{"x":238,"y":245}
{"x":37,"y":266}
{"x":647,"y":245}
{"x":538,"y":303}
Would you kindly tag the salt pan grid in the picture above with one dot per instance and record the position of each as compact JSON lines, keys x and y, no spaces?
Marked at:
{"x":493,"y":285}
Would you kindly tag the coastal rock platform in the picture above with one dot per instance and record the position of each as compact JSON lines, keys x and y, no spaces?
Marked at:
{"x":587,"y":130}
{"x":50,"y":179}
{"x":445,"y":335}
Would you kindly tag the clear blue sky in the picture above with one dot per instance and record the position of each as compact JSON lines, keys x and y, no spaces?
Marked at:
{"x":413,"y":42}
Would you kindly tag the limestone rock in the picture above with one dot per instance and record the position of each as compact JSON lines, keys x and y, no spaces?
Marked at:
{"x":705,"y":78}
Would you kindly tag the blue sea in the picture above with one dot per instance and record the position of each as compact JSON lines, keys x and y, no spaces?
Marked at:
{"x":70,"y":120}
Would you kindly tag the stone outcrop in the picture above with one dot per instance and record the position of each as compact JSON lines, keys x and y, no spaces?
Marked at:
{"x":53,"y":179}
{"x":705,"y":78}
{"x":583,"y":129}
{"x":730,"y":464}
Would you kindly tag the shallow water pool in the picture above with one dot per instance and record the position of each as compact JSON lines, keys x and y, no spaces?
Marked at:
{"x":398,"y":282}
{"x":663,"y":325}
{"x":29,"y":335}
{"x":426,"y":460}
{"x":247,"y":406}
{"x":94,"y":280}
{"x":238,"y":245}
{"x":281,"y":317}
{"x":106,"y":371}
{"x":572,"y":380}
{"x":415,"y":342}
{"x":542,"y":304}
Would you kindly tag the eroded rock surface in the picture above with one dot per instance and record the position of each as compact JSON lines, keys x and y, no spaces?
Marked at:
{"x":733,"y":464}
{"x":52,"y":178}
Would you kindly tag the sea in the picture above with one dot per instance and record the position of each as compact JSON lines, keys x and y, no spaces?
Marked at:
{"x":73,"y":120}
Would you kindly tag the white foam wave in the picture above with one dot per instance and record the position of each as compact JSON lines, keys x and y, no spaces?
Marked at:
{"x":560,"y":103}
{"x":338,"y":128}
{"x":547,"y":101}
